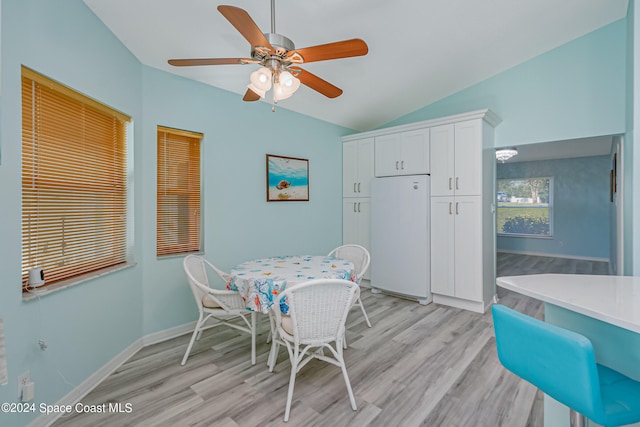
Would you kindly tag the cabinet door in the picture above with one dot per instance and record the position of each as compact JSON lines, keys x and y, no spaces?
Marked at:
{"x":364,"y":223}
{"x":349,"y":220}
{"x":442,"y":245}
{"x":365,"y":167}
{"x":350,"y":169}
{"x":414,"y":152}
{"x":387,"y":155}
{"x":356,"y":223}
{"x":364,"y":228}
{"x":442,"y":160}
{"x":468,"y":158}
{"x":468,"y":247}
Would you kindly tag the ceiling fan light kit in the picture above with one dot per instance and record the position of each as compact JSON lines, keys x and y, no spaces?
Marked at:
{"x":279,"y":59}
{"x":260,"y":81}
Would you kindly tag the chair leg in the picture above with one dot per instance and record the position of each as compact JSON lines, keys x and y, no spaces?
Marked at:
{"x":576,"y":419}
{"x":253,"y":337}
{"x":275,"y":345}
{"x":292,"y":381}
{"x":347,"y":383}
{"x":196,"y":333}
{"x":364,"y":312}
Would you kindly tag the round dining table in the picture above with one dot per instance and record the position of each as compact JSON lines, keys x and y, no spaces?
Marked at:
{"x":260,"y":281}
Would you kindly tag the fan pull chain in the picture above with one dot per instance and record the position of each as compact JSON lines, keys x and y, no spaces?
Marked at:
{"x":273,"y":93}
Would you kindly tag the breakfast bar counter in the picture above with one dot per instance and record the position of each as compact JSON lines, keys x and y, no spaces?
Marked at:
{"x":611,"y":299}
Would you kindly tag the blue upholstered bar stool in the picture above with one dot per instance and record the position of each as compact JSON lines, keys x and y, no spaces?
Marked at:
{"x":562,"y":364}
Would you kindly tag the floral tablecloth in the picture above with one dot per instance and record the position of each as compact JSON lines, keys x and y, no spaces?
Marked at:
{"x":260,"y":281}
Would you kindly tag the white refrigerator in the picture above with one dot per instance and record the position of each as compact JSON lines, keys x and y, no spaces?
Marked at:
{"x":400,"y":245}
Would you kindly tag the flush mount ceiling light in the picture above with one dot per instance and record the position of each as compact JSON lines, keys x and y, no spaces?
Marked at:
{"x":504,"y":154}
{"x":279,"y":59}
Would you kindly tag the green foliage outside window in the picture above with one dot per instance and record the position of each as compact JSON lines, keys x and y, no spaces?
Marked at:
{"x":526,"y":225}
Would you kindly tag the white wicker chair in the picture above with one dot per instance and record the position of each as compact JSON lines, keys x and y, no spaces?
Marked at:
{"x":360,"y":258}
{"x":217,"y":305}
{"x":317,"y":314}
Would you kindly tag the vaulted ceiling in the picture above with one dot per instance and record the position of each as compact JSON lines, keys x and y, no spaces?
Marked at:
{"x":420,"y":51}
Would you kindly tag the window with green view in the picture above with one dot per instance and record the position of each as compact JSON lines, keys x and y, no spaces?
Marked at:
{"x":524,"y":207}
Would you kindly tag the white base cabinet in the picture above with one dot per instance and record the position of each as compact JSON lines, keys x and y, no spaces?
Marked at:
{"x":356,"y":223}
{"x":456,"y":251}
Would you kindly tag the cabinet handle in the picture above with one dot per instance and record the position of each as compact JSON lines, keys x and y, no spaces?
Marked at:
{"x":450,"y":184}
{"x":450,"y":208}
{"x":354,"y":187}
{"x":396,"y":165}
{"x":358,"y":207}
{"x":358,"y":187}
{"x":457,"y":208}
{"x":402,"y":165}
{"x":457,"y":183}
{"x":354,"y":207}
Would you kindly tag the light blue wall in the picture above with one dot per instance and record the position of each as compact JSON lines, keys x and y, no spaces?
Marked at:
{"x":573,"y":91}
{"x":238,"y":222}
{"x":580,"y":207}
{"x":577,"y":90}
{"x":89,"y":324}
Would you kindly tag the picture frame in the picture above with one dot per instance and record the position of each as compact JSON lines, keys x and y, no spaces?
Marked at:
{"x":615,"y":172}
{"x":612,"y":180}
{"x":287,"y":179}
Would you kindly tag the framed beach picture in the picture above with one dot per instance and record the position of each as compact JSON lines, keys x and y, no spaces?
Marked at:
{"x":287,"y":179}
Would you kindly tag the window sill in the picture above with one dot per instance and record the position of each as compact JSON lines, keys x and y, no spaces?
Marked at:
{"x":180,"y":255}
{"x":37,"y":293}
{"x":528,"y":236}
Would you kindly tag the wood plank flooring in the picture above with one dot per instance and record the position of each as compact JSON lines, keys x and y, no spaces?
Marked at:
{"x":418,"y":365}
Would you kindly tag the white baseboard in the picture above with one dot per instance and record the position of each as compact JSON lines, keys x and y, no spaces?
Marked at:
{"x":167,"y":334}
{"x":475,"y":306}
{"x":554,"y":255}
{"x":76,"y":395}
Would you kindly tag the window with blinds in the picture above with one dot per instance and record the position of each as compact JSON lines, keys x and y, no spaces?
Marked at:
{"x":178,"y":210}
{"x":74,"y":182}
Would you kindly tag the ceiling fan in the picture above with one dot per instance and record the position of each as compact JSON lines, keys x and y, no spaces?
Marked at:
{"x":279,"y":59}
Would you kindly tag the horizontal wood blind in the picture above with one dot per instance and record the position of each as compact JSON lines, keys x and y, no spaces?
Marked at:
{"x":74,"y":190}
{"x":178,"y":198}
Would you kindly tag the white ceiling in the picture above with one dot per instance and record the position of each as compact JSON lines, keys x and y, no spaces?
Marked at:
{"x":420,"y":51}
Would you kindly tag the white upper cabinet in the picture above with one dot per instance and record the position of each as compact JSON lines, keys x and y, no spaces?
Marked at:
{"x":456,"y":153}
{"x":468,"y":155}
{"x":403,"y":153}
{"x":357,"y":168}
{"x":442,"y":160}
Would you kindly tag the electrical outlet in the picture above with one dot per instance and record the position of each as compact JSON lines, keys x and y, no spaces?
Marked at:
{"x":23,"y":380}
{"x":28,"y":392}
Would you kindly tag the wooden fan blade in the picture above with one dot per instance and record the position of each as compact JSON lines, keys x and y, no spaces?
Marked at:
{"x":241,"y":20}
{"x":207,"y":61}
{"x":250,"y":96}
{"x":336,"y":50}
{"x":316,"y":83}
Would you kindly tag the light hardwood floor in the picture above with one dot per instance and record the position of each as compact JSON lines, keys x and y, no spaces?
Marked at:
{"x":418,"y":365}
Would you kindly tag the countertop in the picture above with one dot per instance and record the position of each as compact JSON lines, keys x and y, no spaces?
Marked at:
{"x":611,"y":299}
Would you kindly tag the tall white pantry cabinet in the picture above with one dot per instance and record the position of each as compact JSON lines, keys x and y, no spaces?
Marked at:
{"x":461,"y":160}
{"x":357,"y":172}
